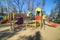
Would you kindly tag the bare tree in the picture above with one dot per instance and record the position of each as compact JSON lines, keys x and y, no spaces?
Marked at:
{"x":0,"y":6}
{"x":19,"y":4}
{"x":32,"y":9}
{"x":55,"y":12}
{"x":13,"y":5}
{"x":28,"y":4}
{"x":38,"y":4}
{"x":43,"y":4}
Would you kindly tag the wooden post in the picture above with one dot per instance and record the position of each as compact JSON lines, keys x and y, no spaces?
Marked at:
{"x":35,"y":23}
{"x":11,"y":22}
{"x":41,"y":22}
{"x":8,"y":17}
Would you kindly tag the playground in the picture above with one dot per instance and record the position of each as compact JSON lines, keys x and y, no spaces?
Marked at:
{"x":49,"y":33}
{"x":29,"y":20}
{"x":18,"y":28}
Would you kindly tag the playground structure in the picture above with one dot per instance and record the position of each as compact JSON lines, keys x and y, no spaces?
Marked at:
{"x":15,"y":19}
{"x":33,"y":23}
{"x":4,"y":19}
{"x":19,"y":20}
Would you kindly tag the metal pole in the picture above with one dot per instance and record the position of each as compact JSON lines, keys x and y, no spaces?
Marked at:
{"x":0,"y":5}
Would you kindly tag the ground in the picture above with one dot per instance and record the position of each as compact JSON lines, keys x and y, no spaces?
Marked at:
{"x":49,"y":33}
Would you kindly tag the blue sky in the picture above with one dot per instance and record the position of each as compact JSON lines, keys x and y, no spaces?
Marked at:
{"x":48,"y":6}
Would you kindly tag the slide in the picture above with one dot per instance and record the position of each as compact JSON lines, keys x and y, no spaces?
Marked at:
{"x":19,"y":21}
{"x":4,"y":21}
{"x":51,"y":23}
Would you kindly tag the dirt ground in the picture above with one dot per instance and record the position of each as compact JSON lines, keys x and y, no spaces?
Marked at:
{"x":49,"y":33}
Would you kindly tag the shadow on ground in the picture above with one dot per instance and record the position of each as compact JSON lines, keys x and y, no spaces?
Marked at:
{"x":4,"y":35}
{"x":5,"y":25}
{"x":37,"y":36}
